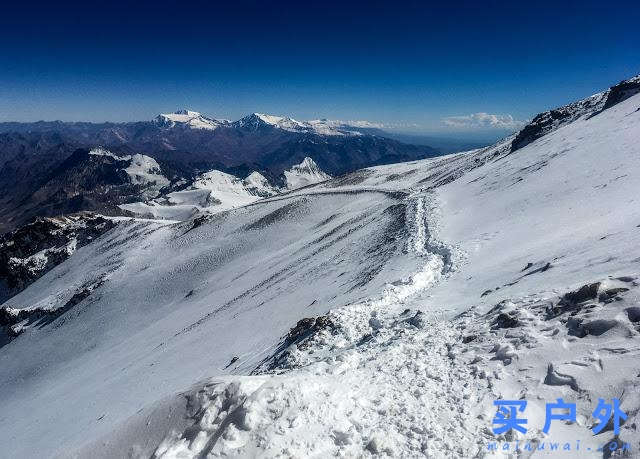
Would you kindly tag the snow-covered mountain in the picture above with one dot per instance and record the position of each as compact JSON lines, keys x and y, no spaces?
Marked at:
{"x":184,"y":144}
{"x":142,"y":171}
{"x":211,"y":192}
{"x":87,"y":180}
{"x":190,"y":119}
{"x":216,"y":191}
{"x":379,"y":313}
{"x":257,"y":121}
{"x":304,"y":174}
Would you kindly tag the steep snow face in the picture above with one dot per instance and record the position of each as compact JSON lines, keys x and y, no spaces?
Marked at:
{"x":304,"y":174}
{"x":211,"y":192}
{"x":259,"y":183}
{"x":232,"y":191}
{"x":190,"y":119}
{"x":167,"y":304}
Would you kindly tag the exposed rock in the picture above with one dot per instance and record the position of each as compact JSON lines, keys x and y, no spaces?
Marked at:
{"x":584,"y":293}
{"x":506,"y":320}
{"x":622,"y":91}
{"x":551,"y":120}
{"x":419,"y":320}
{"x":576,"y":328}
{"x":307,"y":327}
{"x":633,"y":313}
{"x":15,"y":321}
{"x":610,"y":294}
{"x":31,"y":251}
{"x":541,"y":269}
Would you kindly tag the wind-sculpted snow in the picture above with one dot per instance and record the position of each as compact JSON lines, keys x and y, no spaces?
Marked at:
{"x":378,"y":313}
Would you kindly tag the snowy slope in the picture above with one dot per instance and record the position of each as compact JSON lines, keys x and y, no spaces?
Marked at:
{"x":216,"y":191}
{"x":174,"y":303}
{"x":378,"y":313}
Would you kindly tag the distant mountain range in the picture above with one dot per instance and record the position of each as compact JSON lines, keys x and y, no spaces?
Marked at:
{"x":194,"y":141}
{"x":46,"y":169}
{"x":179,"y":164}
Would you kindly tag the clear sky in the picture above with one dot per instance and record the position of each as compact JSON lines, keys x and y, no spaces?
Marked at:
{"x":415,"y":66}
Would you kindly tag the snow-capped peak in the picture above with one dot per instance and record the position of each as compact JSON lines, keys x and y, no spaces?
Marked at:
{"x":190,"y":113}
{"x":319,"y":127}
{"x":258,"y":120}
{"x":189,"y":118}
{"x":142,"y":170}
{"x":304,"y":174}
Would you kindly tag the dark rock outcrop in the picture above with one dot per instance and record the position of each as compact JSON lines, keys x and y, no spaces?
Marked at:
{"x":551,"y":120}
{"x":34,"y":249}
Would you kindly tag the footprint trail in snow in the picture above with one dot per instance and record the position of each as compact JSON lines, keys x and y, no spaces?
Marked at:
{"x":378,"y":377}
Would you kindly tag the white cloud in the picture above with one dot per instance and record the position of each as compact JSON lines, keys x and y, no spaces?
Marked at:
{"x":483,"y":120}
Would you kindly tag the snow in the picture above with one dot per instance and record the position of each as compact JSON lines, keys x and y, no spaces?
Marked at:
{"x":190,"y":119}
{"x":142,"y":170}
{"x":145,"y":171}
{"x":196,"y":120}
{"x":216,"y":191}
{"x":99,"y":151}
{"x":34,"y":263}
{"x":211,"y":192}
{"x":257,"y":181}
{"x":257,"y":120}
{"x":318,"y":127}
{"x":340,"y":128}
{"x":304,"y":174}
{"x":435,"y":288}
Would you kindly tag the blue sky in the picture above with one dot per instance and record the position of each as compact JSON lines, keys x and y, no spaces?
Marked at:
{"x":407,"y":65}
